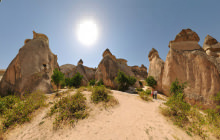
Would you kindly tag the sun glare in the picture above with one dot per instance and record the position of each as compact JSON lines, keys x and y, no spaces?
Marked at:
{"x":87,"y":32}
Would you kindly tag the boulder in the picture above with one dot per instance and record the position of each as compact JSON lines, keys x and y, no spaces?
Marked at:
{"x":31,"y":69}
{"x":156,"y":68}
{"x":109,"y":67}
{"x":196,"y":68}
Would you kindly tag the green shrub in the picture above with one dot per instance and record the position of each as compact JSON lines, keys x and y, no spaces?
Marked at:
{"x":75,"y":81}
{"x":100,"y":83}
{"x":145,"y":95}
{"x":99,"y":94}
{"x":148,"y":92}
{"x":151,"y":81}
{"x":92,"y":82}
{"x":19,"y":111}
{"x":177,"y":88}
{"x":124,"y":81}
{"x":8,"y":102}
{"x":70,"y":108}
{"x":139,"y":89}
{"x":178,"y":109}
{"x":57,"y":77}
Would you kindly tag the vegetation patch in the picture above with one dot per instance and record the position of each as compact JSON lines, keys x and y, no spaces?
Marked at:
{"x":15,"y":110}
{"x":69,"y":109}
{"x":190,"y":117}
{"x":145,"y":95}
{"x":151,"y":81}
{"x":75,"y":81}
{"x":124,"y":81}
{"x":101,"y":94}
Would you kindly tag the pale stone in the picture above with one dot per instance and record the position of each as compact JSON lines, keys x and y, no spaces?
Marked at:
{"x":156,"y":68}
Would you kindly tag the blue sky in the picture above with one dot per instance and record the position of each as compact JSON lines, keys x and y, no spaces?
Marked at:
{"x":129,"y":28}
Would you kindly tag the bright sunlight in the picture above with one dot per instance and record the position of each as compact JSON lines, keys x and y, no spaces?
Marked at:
{"x":87,"y":32}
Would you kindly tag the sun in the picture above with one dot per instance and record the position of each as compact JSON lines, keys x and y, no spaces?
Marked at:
{"x":87,"y":32}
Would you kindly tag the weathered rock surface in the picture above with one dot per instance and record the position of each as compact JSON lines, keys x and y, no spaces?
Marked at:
{"x":88,"y":73}
{"x":140,"y":72}
{"x":194,"y":67}
{"x":2,"y":71}
{"x":66,"y":69}
{"x":32,"y":68}
{"x":156,"y":68}
{"x":109,"y":67}
{"x":185,"y":40}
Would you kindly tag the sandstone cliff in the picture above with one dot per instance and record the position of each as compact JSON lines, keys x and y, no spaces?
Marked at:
{"x":187,"y":62}
{"x":32,"y":68}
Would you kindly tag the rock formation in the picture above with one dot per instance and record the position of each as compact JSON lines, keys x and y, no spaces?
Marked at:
{"x":211,"y":46}
{"x":109,"y":67}
{"x":140,"y":72}
{"x":32,"y":68}
{"x":66,"y":69}
{"x":156,"y":68}
{"x":187,"y":62}
{"x":88,"y":73}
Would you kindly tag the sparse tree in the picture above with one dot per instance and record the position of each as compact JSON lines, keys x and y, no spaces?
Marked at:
{"x":57,"y":77}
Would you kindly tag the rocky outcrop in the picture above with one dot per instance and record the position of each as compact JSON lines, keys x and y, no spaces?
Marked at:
{"x":88,"y":73}
{"x":192,"y":65}
{"x":185,"y":40}
{"x":156,"y":68}
{"x":32,"y":68}
{"x":211,"y":46}
{"x":140,"y":72}
{"x":109,"y":67}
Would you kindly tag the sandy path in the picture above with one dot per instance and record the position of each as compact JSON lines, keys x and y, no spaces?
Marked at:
{"x":132,"y":119}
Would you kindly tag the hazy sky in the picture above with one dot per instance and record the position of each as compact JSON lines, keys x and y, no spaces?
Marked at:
{"x":129,"y":28}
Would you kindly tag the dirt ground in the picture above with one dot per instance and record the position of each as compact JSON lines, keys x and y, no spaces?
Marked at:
{"x":131,"y":119}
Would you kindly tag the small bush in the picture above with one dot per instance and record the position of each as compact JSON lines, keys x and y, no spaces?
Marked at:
{"x":177,"y":88}
{"x":92,"y":82}
{"x":145,"y":95}
{"x":139,"y":89}
{"x":70,"y":108}
{"x":100,"y":83}
{"x":7,"y":102}
{"x":99,"y":94}
{"x":75,"y":81}
{"x":151,"y":81}
{"x":124,"y":81}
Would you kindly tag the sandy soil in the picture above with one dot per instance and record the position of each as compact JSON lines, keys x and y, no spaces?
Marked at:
{"x":132,"y":119}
